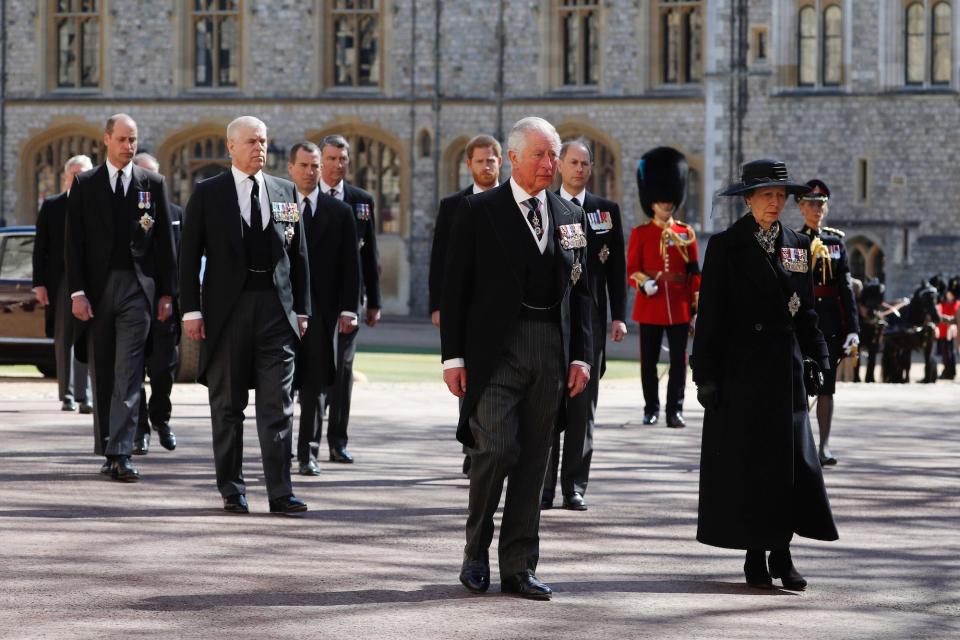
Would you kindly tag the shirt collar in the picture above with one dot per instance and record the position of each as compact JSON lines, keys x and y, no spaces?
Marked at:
{"x":240,"y":176}
{"x":312,"y":196}
{"x":112,"y":170}
{"x":478,"y":189}
{"x":521,"y":196}
{"x":326,"y":187}
{"x":566,"y":195}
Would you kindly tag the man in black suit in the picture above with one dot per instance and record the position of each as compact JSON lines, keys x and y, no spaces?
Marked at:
{"x":516,"y":325}
{"x":335,"y":160}
{"x":121,"y":270}
{"x":484,"y":159}
{"x":50,"y":287}
{"x":607,"y":270}
{"x":162,"y":359}
{"x":334,"y":292}
{"x":253,"y":311}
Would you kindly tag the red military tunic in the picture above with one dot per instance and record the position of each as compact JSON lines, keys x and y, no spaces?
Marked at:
{"x":668,"y":254}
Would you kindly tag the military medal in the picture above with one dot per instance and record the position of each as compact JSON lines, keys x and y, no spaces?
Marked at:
{"x":572,"y":236}
{"x":604,"y":254}
{"x":795,"y":260}
{"x":834,"y":250}
{"x":363,"y":211}
{"x":575,"y":272}
{"x":146,"y":222}
{"x":288,"y":232}
{"x":143,"y":199}
{"x":794,"y":304}
{"x":600,"y":221}
{"x":286,"y":212}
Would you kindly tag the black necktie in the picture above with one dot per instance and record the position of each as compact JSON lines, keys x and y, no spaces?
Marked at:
{"x":255,"y":204}
{"x":118,"y":192}
{"x":333,"y":193}
{"x":575,"y":200}
{"x":307,"y":209}
{"x":533,"y":215}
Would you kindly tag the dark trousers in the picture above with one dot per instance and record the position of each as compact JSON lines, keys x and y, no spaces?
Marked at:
{"x":338,"y":395}
{"x":512,"y":426}
{"x":651,"y":337}
{"x":257,"y":348}
{"x":162,"y":369}
{"x":578,"y":418}
{"x":948,"y":355}
{"x":117,"y":339}
{"x":312,"y":397}
{"x":73,"y":379}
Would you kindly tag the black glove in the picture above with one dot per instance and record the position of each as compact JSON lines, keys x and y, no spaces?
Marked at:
{"x":812,"y":377}
{"x":708,"y":395}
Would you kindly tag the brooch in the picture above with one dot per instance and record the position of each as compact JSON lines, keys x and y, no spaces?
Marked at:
{"x":794,"y":304}
{"x":575,"y":272}
{"x":146,"y":222}
{"x":288,"y":232}
{"x":604,"y":254}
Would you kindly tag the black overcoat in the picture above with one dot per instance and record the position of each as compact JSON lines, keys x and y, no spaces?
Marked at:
{"x":760,"y":479}
{"x":441,"y":240}
{"x":48,"y":248}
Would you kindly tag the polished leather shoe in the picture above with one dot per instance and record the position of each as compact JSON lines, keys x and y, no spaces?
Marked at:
{"x":309,"y":468}
{"x":68,"y":405}
{"x":475,"y":574}
{"x":340,"y":454}
{"x":781,"y":567}
{"x":755,"y":569}
{"x":546,"y":502}
{"x":574,"y":502}
{"x":526,"y":585}
{"x":236,"y":504}
{"x":123,"y":471}
{"x":107,"y":467}
{"x":86,"y":408}
{"x":826,"y":458}
{"x":650,"y":418}
{"x":141,"y":446}
{"x":167,"y":438}
{"x":466,"y":466}
{"x":288,"y":504}
{"x":676,"y":421}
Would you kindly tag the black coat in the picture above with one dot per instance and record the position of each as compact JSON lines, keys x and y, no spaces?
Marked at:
{"x":90,"y":238}
{"x":213,"y":227}
{"x":760,"y":479}
{"x":837,"y":310}
{"x":606,"y":268}
{"x":331,"y":237}
{"x":367,"y":239}
{"x":483,"y":288}
{"x":441,"y":240}
{"x":48,"y":248}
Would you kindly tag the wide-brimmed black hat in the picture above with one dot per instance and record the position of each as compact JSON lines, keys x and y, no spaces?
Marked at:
{"x":758,"y":174}
{"x":662,"y":177}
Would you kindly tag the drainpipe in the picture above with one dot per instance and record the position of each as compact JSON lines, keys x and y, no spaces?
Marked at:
{"x":3,"y":113}
{"x":437,"y":13}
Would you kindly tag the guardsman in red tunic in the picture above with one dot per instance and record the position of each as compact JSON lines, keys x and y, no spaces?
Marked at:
{"x":662,"y":265}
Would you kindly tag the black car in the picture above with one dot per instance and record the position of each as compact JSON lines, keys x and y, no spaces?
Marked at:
{"x":22,"y":336}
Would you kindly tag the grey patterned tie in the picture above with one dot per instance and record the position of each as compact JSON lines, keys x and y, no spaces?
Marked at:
{"x":533,"y":216}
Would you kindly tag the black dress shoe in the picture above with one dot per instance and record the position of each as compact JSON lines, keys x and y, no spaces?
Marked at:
{"x":68,"y":405}
{"x":574,"y":502}
{"x":781,"y":567}
{"x":167,"y":438}
{"x":86,"y":408}
{"x":123,"y":471}
{"x":650,"y":418}
{"x":236,"y":504}
{"x":676,"y":421}
{"x":466,"y":466}
{"x":107,"y":468}
{"x":475,"y":574}
{"x":526,"y":585}
{"x":310,"y":468}
{"x":826,"y":458}
{"x":288,"y":504}
{"x":141,"y":446}
{"x":546,"y":502}
{"x":340,"y":454}
{"x":755,"y":569}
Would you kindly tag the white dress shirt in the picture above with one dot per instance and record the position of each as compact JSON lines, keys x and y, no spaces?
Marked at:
{"x":244,"y":189}
{"x":312,"y":197}
{"x":325,"y":188}
{"x":127,"y":177}
{"x":570,"y":196}
{"x":478,"y":189}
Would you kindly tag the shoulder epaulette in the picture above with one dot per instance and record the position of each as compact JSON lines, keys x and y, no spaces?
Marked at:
{"x":835,"y":232}
{"x":689,"y":228}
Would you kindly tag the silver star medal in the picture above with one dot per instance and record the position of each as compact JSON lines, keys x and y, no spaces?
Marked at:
{"x":288,"y":232}
{"x":575,"y":272}
{"x":794,"y":304}
{"x":604,"y":254}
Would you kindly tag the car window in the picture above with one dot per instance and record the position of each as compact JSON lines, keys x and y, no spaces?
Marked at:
{"x":16,"y":260}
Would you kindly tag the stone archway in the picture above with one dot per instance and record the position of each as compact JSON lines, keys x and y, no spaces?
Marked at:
{"x":42,"y":160}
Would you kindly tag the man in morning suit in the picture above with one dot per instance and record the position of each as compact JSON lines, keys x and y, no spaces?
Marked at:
{"x":515,"y":333}
{"x":162,"y":359}
{"x":50,"y":287}
{"x":607,"y":272}
{"x":331,"y":236}
{"x":335,"y":160}
{"x":252,"y":312}
{"x":484,"y":159}
{"x":122,"y":272}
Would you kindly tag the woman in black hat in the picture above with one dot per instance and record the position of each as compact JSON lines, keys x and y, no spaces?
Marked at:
{"x":760,"y":479}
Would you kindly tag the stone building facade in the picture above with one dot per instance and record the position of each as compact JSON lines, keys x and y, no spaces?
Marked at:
{"x":861,"y":94}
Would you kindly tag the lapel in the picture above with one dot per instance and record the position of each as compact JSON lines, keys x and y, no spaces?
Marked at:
{"x":104,"y":190}
{"x":510,"y":229}
{"x":232,"y":223}
{"x":559,"y":215}
{"x":758,"y":268}
{"x":275,"y":193}
{"x":317,"y":225}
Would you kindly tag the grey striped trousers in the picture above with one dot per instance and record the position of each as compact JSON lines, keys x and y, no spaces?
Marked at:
{"x":512,"y":426}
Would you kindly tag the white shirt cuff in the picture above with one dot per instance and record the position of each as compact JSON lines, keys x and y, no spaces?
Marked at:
{"x":77,"y":294}
{"x":349,"y":314}
{"x":192,"y":315}
{"x":582,"y":364}
{"x":453,"y":363}
{"x":303,"y":317}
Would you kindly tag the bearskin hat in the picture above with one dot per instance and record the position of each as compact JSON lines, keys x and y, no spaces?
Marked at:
{"x":662,"y":177}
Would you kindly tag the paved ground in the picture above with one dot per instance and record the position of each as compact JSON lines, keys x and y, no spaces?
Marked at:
{"x":377,"y":554}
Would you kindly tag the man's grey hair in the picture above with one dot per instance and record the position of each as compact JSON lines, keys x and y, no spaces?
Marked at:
{"x":146,"y":161}
{"x":517,"y":140}
{"x":335,"y":140}
{"x":244,"y":122}
{"x":580,"y":141}
{"x":82,"y":161}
